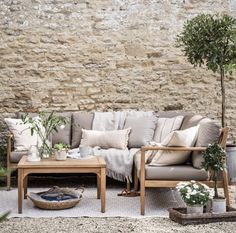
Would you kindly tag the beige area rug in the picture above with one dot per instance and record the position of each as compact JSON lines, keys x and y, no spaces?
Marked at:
{"x":157,"y":203}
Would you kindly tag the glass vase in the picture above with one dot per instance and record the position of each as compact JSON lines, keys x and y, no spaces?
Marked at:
{"x":45,"y":149}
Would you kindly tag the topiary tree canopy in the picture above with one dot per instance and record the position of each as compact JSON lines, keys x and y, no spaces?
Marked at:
{"x":210,"y":40}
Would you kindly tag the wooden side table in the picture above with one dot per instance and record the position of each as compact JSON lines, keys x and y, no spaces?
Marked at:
{"x":95,"y":165}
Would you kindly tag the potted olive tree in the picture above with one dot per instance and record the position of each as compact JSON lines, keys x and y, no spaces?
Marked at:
{"x":61,"y":151}
{"x":214,"y":161}
{"x":210,"y":40}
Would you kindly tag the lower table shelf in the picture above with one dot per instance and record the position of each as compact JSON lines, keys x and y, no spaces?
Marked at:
{"x":180,"y":215}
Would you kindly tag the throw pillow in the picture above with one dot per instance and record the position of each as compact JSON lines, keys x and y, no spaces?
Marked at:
{"x":183,"y":138}
{"x":142,"y":130}
{"x":209,"y":132}
{"x":22,"y":134}
{"x":166,"y":126}
{"x":106,"y":139}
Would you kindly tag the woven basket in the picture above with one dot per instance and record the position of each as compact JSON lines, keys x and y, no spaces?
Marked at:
{"x":55,"y":205}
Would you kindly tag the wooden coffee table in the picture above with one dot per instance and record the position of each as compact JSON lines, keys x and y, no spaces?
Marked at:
{"x":95,"y":165}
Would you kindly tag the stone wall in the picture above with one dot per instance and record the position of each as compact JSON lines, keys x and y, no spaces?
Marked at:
{"x":105,"y":55}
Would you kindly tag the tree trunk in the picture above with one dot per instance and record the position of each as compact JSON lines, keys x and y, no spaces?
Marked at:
{"x":215,"y":185}
{"x":222,"y":79}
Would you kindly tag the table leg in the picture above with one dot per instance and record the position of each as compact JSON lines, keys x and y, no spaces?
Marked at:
{"x":25,"y":186}
{"x":20,"y":189}
{"x":98,"y":185}
{"x":103,"y":189}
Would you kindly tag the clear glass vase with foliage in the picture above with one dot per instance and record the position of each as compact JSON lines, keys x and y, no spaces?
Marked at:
{"x":44,"y":125}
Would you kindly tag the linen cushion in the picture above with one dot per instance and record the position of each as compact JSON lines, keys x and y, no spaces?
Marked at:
{"x":166,"y":126}
{"x":22,"y":134}
{"x":182,"y":138}
{"x":63,"y":135}
{"x":142,"y":130}
{"x":80,"y":120}
{"x":15,"y":156}
{"x":106,"y":139}
{"x":209,"y":132}
{"x":175,"y":172}
{"x":190,"y":121}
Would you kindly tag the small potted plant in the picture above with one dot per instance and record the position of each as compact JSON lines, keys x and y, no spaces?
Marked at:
{"x":214,"y":161}
{"x":61,"y":151}
{"x":195,"y":195}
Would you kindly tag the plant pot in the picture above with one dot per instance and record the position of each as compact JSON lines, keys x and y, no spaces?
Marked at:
{"x":61,"y":155}
{"x":194,"y":209}
{"x":231,"y":163}
{"x":218,"y":205}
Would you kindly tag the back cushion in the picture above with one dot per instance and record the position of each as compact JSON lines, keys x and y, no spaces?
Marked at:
{"x":166,"y":126}
{"x":80,"y":120}
{"x":142,"y":129}
{"x":63,"y":135}
{"x":190,"y":121}
{"x":209,"y":132}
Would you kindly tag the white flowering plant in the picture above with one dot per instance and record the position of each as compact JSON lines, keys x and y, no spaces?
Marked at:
{"x":194,"y":193}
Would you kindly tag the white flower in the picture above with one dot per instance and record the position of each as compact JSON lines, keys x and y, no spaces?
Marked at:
{"x":195,"y":186}
{"x":62,"y":126}
{"x":193,"y":181}
{"x":194,"y":192}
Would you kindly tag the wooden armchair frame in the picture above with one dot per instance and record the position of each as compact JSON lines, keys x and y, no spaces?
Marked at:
{"x":172,"y":183}
{"x":10,"y":165}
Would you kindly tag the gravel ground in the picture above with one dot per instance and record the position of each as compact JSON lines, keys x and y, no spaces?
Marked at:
{"x":104,"y":225}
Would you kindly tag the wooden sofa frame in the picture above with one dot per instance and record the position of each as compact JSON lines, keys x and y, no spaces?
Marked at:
{"x":10,"y":166}
{"x":172,"y":183}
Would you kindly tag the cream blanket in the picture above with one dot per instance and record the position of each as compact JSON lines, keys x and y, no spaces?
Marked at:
{"x":119,"y":162}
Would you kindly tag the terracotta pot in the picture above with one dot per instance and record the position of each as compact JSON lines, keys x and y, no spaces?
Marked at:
{"x":194,"y":209}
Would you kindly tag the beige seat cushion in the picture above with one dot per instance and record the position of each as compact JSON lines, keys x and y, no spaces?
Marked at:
{"x":178,"y":138}
{"x":15,"y":156}
{"x":177,"y":172}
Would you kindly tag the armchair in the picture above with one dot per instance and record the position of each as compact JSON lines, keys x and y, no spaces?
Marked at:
{"x":149,"y":176}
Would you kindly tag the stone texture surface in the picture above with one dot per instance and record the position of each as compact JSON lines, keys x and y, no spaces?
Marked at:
{"x":68,"y":55}
{"x":105,"y":225}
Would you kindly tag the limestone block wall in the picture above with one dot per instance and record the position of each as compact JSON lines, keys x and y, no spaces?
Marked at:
{"x":68,"y":55}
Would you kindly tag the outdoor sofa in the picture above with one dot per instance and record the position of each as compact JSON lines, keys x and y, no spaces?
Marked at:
{"x":147,"y":130}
